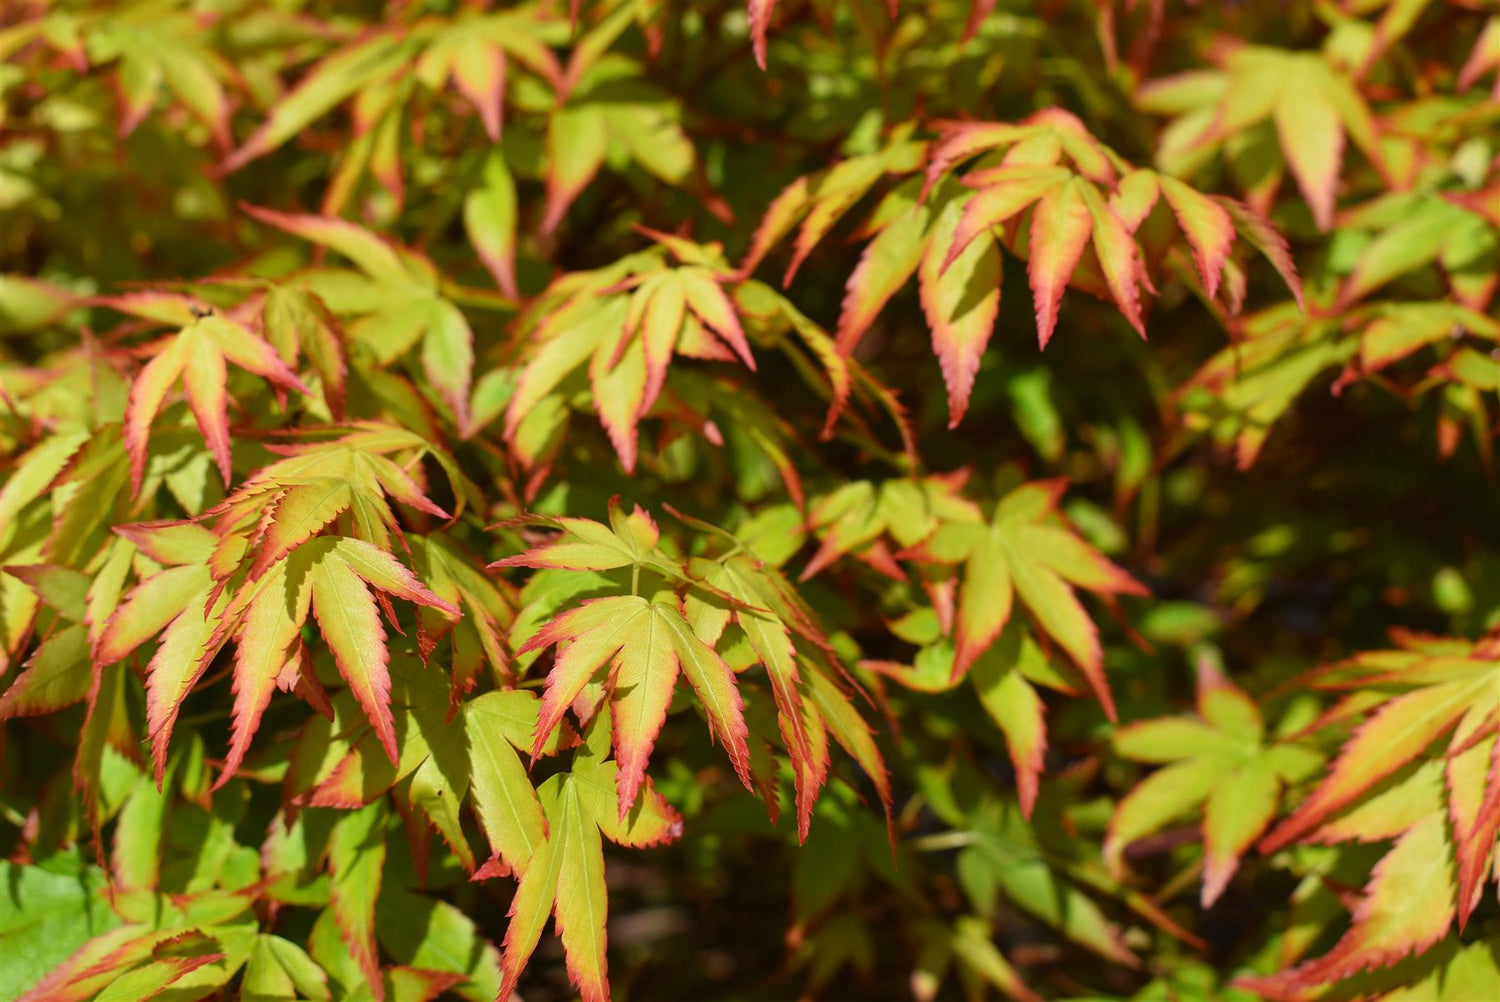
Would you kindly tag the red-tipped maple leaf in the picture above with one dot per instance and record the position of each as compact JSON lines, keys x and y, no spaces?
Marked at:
{"x":197,"y":356}
{"x":1411,"y":699}
{"x":1023,"y":552}
{"x":646,"y":643}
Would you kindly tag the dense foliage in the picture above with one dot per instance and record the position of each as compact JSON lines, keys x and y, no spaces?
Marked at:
{"x":615,"y":437}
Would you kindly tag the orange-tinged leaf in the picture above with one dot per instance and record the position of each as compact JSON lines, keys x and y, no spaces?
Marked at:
{"x":329,"y":84}
{"x":197,"y":355}
{"x":650,"y":821}
{"x":178,"y":663}
{"x":961,"y":303}
{"x":843,"y":185}
{"x":151,"y":605}
{"x":296,"y":516}
{"x":660,"y":324}
{"x":56,"y":675}
{"x":962,"y":140}
{"x":712,"y":305}
{"x":504,"y":800}
{"x":984,"y":604}
{"x":1483,"y":58}
{"x":1016,"y":708}
{"x":1312,"y":138}
{"x":1118,"y":258}
{"x":350,"y":624}
{"x":374,"y":255}
{"x":479,"y":73}
{"x":147,"y":392}
{"x":594,"y":631}
{"x":780,"y":216}
{"x":1236,"y":812}
{"x":490,"y":221}
{"x":266,"y":644}
{"x":774,"y":649}
{"x":1059,"y":232}
{"x":582,"y":898}
{"x":1162,"y":796}
{"x":641,"y":683}
{"x":577,"y":138}
{"x":1062,"y":617}
{"x":171,"y":543}
{"x":849,"y":730}
{"x":1474,"y":810}
{"x":1408,"y":906}
{"x":1006,"y":191}
{"x":759,"y":12}
{"x":884,"y":266}
{"x":713,"y":681}
{"x":566,"y":879}
{"x":1208,"y":227}
{"x":1261,"y":235}
{"x":1393,"y":736}
{"x":385,"y":572}
{"x":529,"y":910}
{"x":448,"y":360}
{"x":619,"y":392}
{"x":1135,"y":196}
{"x":205,"y":378}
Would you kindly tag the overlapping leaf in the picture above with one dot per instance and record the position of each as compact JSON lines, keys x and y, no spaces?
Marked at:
{"x":627,"y":322}
{"x":1045,"y":189}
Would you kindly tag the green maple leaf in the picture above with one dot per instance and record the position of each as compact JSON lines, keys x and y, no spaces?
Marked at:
{"x":565,"y":878}
{"x":1217,"y":760}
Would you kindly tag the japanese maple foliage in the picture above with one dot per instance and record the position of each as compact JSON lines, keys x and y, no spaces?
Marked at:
{"x":802,"y":498}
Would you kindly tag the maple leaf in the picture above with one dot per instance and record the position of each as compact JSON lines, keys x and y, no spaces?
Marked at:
{"x":330,"y":577}
{"x":1484,"y":59}
{"x":627,"y":322}
{"x":1408,"y":906}
{"x":1218,"y":759}
{"x":1083,"y":194}
{"x":198,"y":356}
{"x":1249,"y":385}
{"x":498,"y":725}
{"x":791,"y":648}
{"x":820,"y":201}
{"x":1004,"y":678}
{"x":1414,"y":231}
{"x":404,"y":304}
{"x":376,"y":73}
{"x":1023,"y":552}
{"x":477,"y":638}
{"x":607,"y":112}
{"x":853,"y":518}
{"x":150,"y":53}
{"x":286,"y":502}
{"x":296,"y":323}
{"x":1311,"y":104}
{"x":1046,"y":189}
{"x":1437,"y":690}
{"x":646,"y":643}
{"x":565,"y":879}
{"x":490,"y":221}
